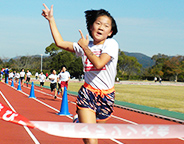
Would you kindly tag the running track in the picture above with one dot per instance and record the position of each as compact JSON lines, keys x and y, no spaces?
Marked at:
{"x":45,"y":107}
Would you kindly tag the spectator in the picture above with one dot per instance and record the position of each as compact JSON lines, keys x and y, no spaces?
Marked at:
{"x":6,"y":71}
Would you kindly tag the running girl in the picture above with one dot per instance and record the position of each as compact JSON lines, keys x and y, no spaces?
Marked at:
{"x":22,"y":74}
{"x":96,"y":97}
{"x":53,"y":82}
{"x":63,"y":78}
{"x":28,"y":77}
{"x":42,"y":78}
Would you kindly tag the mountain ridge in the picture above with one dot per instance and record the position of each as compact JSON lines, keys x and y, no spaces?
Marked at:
{"x":143,"y":59}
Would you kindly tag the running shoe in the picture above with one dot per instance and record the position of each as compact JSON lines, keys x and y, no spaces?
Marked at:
{"x":75,"y":119}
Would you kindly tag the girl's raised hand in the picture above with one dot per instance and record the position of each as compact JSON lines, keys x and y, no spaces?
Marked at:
{"x":82,"y":41}
{"x":47,"y":13}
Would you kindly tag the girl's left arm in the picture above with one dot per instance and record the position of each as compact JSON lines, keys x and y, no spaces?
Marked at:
{"x":98,"y":62}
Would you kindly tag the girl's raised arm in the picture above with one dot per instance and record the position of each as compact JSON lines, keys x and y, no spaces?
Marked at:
{"x":48,"y":14}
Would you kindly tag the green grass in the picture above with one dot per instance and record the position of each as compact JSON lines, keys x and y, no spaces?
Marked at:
{"x":159,"y":96}
{"x":164,"y":97}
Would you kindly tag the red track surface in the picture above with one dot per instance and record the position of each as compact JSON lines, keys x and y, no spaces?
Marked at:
{"x":35,"y":111}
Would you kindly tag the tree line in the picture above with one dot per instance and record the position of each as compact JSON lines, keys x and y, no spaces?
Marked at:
{"x":128,"y":68}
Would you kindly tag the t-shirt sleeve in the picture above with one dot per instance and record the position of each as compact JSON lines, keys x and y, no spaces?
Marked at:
{"x":51,"y":76}
{"x":111,"y":48}
{"x":68,"y":74}
{"x":78,"y":50}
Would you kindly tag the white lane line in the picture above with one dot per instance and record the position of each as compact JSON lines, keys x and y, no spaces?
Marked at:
{"x":124,"y":120}
{"x":7,"y":102}
{"x":181,"y":138}
{"x":25,"y":127}
{"x":118,"y":142}
{"x":31,"y":135}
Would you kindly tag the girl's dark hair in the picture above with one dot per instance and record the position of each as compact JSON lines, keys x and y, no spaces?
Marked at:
{"x":92,"y":15}
{"x":51,"y":71}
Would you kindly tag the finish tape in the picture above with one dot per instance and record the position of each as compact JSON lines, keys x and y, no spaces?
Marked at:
{"x":106,"y":131}
{"x":100,"y":131}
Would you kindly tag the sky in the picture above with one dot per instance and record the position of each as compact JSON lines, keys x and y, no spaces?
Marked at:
{"x":144,"y":26}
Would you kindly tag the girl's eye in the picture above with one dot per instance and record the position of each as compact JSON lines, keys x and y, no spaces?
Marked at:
{"x":98,"y":23}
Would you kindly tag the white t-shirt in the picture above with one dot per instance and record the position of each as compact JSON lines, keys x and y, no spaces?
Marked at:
{"x":100,"y":78}
{"x":28,"y":74}
{"x":54,"y":77}
{"x":11,"y":75}
{"x":17,"y":75}
{"x":42,"y":77}
{"x":36,"y":74}
{"x":63,"y":76}
{"x":22,"y":74}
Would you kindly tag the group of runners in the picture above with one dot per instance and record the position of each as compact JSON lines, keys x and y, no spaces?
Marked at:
{"x":61,"y":79}
{"x":13,"y":75}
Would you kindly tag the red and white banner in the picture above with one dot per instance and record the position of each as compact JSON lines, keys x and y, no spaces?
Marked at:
{"x":8,"y":115}
{"x":105,"y":131}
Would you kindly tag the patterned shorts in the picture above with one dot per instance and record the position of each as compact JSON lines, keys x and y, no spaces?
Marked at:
{"x":101,"y":103}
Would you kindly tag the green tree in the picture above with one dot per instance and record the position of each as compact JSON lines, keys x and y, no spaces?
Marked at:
{"x":134,"y":67}
{"x":128,"y":65}
{"x":52,"y":49}
{"x":76,"y":67}
{"x":61,"y":57}
{"x":174,"y":66}
{"x":167,"y":67}
{"x":157,"y":69}
{"x":1,"y":63}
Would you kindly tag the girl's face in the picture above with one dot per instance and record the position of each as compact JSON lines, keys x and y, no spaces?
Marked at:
{"x":101,"y":29}
{"x":63,"y":69}
{"x":54,"y":72}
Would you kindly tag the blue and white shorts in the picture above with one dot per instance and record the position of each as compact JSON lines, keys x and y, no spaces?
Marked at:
{"x":100,"y":102}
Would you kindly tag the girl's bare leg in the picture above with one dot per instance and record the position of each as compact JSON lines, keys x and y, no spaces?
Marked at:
{"x":22,"y":82}
{"x":55,"y":92}
{"x":62,"y":91}
{"x":87,"y":116}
